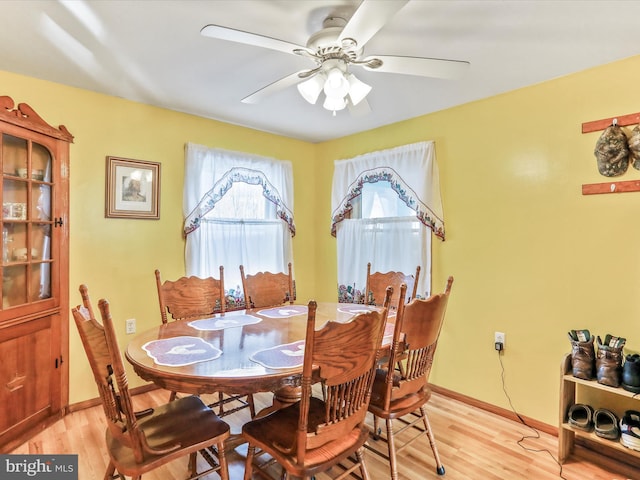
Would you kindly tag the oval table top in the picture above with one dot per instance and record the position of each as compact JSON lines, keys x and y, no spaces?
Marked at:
{"x":239,"y":352}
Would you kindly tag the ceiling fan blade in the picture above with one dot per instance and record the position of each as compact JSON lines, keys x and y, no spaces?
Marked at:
{"x":239,"y":36}
{"x":370,"y":17}
{"x":423,"y":67}
{"x":275,"y":87}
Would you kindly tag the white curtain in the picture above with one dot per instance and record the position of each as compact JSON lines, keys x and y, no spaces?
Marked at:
{"x":391,"y":244}
{"x":263,"y":246}
{"x":212,"y":241}
{"x":394,"y":243}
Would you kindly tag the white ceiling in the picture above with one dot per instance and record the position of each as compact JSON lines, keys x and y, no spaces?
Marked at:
{"x":151,"y":51}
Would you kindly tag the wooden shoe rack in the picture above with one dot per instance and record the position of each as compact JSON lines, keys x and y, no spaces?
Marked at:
{"x":569,"y":386}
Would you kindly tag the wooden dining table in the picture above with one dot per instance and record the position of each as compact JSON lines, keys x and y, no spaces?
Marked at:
{"x":239,"y":352}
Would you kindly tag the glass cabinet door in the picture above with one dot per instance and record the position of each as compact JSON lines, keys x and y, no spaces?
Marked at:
{"x":26,"y":221}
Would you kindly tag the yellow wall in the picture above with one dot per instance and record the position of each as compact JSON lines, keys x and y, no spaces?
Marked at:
{"x":116,"y":258}
{"x":531,"y":256}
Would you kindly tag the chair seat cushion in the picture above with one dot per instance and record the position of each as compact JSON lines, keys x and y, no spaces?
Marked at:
{"x":186,"y":422}
{"x":276,"y":434}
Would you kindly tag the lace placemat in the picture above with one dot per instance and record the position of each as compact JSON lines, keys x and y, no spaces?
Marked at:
{"x":180,"y":351}
{"x":288,"y":355}
{"x":355,"y":309}
{"x":387,"y":336}
{"x":222,"y":322}
{"x":284,"y":311}
{"x":291,"y":355}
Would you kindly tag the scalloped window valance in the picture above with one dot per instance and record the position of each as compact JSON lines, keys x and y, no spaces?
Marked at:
{"x":212,"y":172}
{"x":412,"y":172}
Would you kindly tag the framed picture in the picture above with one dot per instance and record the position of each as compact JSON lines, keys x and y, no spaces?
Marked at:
{"x":132,"y":189}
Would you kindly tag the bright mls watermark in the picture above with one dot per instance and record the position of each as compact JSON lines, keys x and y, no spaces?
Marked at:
{"x":50,"y":467}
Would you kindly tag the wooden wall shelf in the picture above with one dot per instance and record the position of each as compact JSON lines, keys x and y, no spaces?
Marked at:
{"x":611,"y":187}
{"x":623,"y":121}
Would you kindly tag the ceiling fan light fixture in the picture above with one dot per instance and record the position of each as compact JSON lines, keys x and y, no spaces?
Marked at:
{"x":336,"y":86}
{"x":334,"y":103}
{"x":358,"y":90}
{"x":310,"y":89}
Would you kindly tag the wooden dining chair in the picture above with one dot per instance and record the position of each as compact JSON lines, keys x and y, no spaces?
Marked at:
{"x":378,"y":282}
{"x":326,"y":427}
{"x":191,"y":298}
{"x":267,"y":289}
{"x":401,"y":388}
{"x":140,"y":442}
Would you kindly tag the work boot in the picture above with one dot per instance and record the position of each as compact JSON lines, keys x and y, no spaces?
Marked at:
{"x":583,"y":357}
{"x":631,"y":373}
{"x":609,"y":360}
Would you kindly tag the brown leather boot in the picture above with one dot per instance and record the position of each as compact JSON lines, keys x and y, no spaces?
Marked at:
{"x":583,"y":357}
{"x":631,"y":373}
{"x":609,"y":360}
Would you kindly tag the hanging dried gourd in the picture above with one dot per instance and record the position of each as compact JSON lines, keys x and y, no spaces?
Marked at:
{"x":634,"y":147}
{"x":612,"y":152}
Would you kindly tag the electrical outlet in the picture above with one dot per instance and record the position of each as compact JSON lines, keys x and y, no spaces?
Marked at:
{"x":499,"y":340}
{"x":130,"y":326}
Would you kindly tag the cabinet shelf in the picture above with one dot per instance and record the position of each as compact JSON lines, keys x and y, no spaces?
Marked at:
{"x":13,"y":176}
{"x":13,"y":263}
{"x":567,"y":433}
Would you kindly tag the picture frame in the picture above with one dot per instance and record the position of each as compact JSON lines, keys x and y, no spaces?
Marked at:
{"x":132,"y":189}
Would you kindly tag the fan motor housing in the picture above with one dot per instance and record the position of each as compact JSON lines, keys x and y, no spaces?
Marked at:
{"x":325,"y":43}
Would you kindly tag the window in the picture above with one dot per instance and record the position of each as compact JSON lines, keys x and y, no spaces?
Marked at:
{"x":238,"y":212}
{"x":381,"y":215}
{"x":243,"y":202}
{"x":378,"y":200}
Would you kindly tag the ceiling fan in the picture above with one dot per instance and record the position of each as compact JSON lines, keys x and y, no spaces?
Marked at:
{"x":336,"y":47}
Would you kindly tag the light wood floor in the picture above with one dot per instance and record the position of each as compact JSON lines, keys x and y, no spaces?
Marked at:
{"x":473,"y":444}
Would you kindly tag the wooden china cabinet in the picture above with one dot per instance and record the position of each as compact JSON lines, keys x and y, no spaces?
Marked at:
{"x":34,"y":316}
